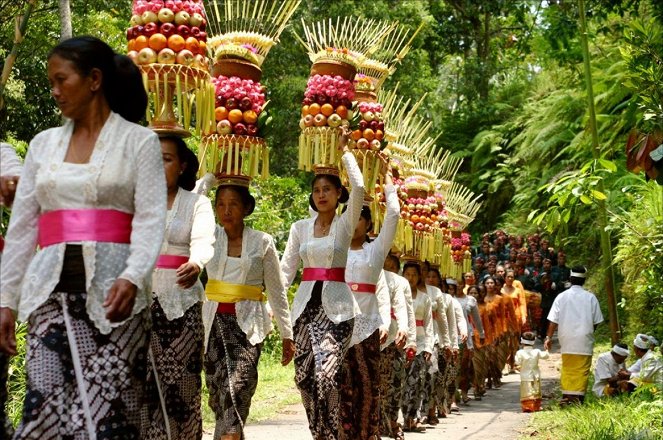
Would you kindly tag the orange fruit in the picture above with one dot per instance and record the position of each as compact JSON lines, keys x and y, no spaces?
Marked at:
{"x":304,"y":110}
{"x":356,"y":134}
{"x":314,"y":109}
{"x":342,"y":111}
{"x":369,"y":134}
{"x":379,"y":135}
{"x":140,"y":43}
{"x":220,"y":113}
{"x":157,"y":42}
{"x":203,"y":47}
{"x":235,"y":116}
{"x":131,"y":45}
{"x":191,"y":43}
{"x":327,"y":109}
{"x":176,"y":42}
{"x":250,"y":117}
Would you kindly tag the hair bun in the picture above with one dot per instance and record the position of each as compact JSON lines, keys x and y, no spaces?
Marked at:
{"x":345,"y":195}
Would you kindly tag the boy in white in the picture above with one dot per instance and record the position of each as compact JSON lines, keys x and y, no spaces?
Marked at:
{"x":530,"y":375}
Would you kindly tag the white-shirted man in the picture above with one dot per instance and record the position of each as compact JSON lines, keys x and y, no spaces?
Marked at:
{"x":606,"y":370}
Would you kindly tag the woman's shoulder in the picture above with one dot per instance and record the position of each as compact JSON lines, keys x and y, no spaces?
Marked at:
{"x":131,"y":131}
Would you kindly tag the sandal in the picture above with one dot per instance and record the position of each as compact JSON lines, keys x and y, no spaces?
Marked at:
{"x":454,"y":408}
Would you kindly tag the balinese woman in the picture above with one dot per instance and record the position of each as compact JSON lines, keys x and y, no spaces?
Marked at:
{"x":324,"y":308}
{"x":453,"y":369}
{"x":360,"y":390}
{"x":514,"y":289}
{"x":474,"y":325}
{"x":242,"y":275}
{"x":92,"y":196}
{"x":415,"y":376}
{"x":177,"y":326}
{"x":498,"y":309}
{"x":481,"y":346}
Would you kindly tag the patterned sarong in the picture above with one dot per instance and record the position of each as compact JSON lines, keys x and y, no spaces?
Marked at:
{"x":177,"y":347}
{"x":231,"y":374}
{"x":360,"y":390}
{"x":414,"y":388}
{"x":114,"y":368}
{"x":575,"y":373}
{"x":320,"y":346}
{"x":480,"y":366}
{"x":392,"y":375}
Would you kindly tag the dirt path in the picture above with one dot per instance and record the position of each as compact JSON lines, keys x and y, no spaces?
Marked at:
{"x":497,"y":416}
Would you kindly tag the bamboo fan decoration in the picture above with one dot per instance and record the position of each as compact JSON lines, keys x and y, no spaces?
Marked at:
{"x":462,"y":206}
{"x":403,"y":128}
{"x":336,"y":48}
{"x":169,"y":46}
{"x":243,"y":32}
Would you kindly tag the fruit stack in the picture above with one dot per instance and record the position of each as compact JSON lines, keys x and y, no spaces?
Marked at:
{"x":336,"y":48}
{"x":369,"y":134}
{"x":168,"y":32}
{"x":243,"y":33}
{"x":461,"y":208}
{"x":167,"y":40}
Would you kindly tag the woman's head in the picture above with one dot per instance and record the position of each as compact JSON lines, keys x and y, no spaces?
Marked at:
{"x":327,"y":192}
{"x":509,"y":277}
{"x":233,"y":204}
{"x":180,"y":164}
{"x":433,"y":278}
{"x":82,"y":69}
{"x":364,"y":225}
{"x":489,"y":284}
{"x":452,"y":287}
{"x":412,"y":273}
{"x":473,"y":291}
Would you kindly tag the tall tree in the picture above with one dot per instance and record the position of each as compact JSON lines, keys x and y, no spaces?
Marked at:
{"x":65,"y":19}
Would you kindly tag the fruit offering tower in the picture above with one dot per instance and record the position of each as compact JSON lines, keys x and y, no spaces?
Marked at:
{"x":336,"y":48}
{"x":242,"y":34}
{"x":461,"y":207}
{"x":167,"y":40}
{"x":368,"y":132}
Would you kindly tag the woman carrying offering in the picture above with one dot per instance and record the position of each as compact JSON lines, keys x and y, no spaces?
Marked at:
{"x":93,"y":197}
{"x":416,"y":373}
{"x":360,"y":389}
{"x":177,"y":326}
{"x":244,"y":266}
{"x":324,"y":308}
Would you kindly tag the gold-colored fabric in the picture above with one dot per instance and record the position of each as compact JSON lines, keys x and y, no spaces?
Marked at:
{"x":222,"y":292}
{"x":575,"y":373}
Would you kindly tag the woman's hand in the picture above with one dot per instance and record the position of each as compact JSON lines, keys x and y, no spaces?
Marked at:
{"x":401,"y":339}
{"x":187,"y":274}
{"x":288,"y":351}
{"x":7,"y":331}
{"x":345,"y":135}
{"x":384,"y":334}
{"x":427,"y":356}
{"x":120,"y":300}
{"x":8,"y":189}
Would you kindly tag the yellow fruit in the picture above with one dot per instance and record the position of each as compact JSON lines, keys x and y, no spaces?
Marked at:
{"x":235,"y":116}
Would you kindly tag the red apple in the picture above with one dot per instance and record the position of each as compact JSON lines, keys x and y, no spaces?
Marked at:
{"x":375,"y":145}
{"x":334,"y":120}
{"x":167,"y":29}
{"x":374,"y":124}
{"x":166,"y":15}
{"x":224,"y":127}
{"x":363,"y":144}
{"x":363,"y":125}
{"x":182,"y":17}
{"x":239,"y":129}
{"x":231,"y":103}
{"x":308,"y":120}
{"x":184,"y":31}
{"x":166,"y":56}
{"x":202,"y":36}
{"x":245,"y":103}
{"x":146,"y":56}
{"x":149,"y":17}
{"x":195,"y":32}
{"x":130,"y":34}
{"x":150,"y":29}
{"x":185,"y":57}
{"x":252,"y":129}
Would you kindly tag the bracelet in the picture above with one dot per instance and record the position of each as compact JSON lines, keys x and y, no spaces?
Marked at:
{"x":548,"y":338}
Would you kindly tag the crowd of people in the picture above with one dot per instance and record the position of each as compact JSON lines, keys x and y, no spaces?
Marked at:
{"x":108,"y":237}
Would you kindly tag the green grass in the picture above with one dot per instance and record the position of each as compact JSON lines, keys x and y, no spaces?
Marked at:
{"x":635,"y":417}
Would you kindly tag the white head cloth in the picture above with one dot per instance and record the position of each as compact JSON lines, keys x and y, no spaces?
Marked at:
{"x":526,"y":341}
{"x":452,"y":281}
{"x":642,"y":341}
{"x":579,"y":274}
{"x":620,"y":351}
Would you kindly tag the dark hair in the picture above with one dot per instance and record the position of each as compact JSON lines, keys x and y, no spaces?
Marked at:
{"x":248,"y":201}
{"x":622,"y":345}
{"x":334,"y":180}
{"x":473,"y":286}
{"x":577,"y":281}
{"x":412,"y":264}
{"x":366,"y":215}
{"x":437,"y":272}
{"x":121,"y":82}
{"x":485,"y":278}
{"x":395,"y":260}
{"x":529,"y":336}
{"x":187,"y":179}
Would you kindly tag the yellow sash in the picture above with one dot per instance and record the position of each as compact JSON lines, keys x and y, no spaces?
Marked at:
{"x":223,"y":292}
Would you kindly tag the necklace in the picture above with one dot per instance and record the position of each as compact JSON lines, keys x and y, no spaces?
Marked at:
{"x":324,"y":229}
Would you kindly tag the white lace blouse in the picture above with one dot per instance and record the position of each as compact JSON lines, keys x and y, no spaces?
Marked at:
{"x":365,"y":265}
{"x":422,"y":312}
{"x":125,"y":173}
{"x":189,"y":232}
{"x":328,"y":252}
{"x":404,"y":314}
{"x":257,"y":266}
{"x":440,"y":318}
{"x":447,"y":306}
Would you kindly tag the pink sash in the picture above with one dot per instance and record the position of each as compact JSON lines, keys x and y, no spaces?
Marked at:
{"x":324,"y":274}
{"x":362,"y":287}
{"x":171,"y":261}
{"x":73,"y":225}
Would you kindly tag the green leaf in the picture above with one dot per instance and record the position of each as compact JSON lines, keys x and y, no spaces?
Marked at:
{"x":608,"y":165}
{"x":586,"y":200}
{"x":598,"y":195}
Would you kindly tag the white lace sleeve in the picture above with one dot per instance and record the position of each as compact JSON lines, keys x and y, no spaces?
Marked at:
{"x":290,"y":258}
{"x":400,"y":308}
{"x":21,"y":240}
{"x":10,"y":165}
{"x":204,"y":184}
{"x":411,"y":320}
{"x":461,"y":322}
{"x":428,"y":325}
{"x":451,"y":320}
{"x":442,"y":322}
{"x":147,"y":227}
{"x":276,"y":291}
{"x":382,"y":243}
{"x":384,"y":302}
{"x":202,"y":233}
{"x":350,"y":217}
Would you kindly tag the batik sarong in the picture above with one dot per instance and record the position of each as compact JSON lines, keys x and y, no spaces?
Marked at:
{"x":451,"y":378}
{"x":177,"y":350}
{"x":112,"y":374}
{"x":480,"y":366}
{"x":360,"y":391}
{"x":231,"y":374}
{"x":320,"y":346}
{"x":414,"y":388}
{"x":392,"y":375}
{"x":466,"y":373}
{"x":440,"y":387}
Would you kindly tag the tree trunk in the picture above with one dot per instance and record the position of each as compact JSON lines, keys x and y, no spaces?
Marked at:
{"x":606,"y":246}
{"x":19,"y":33}
{"x":65,"y":20}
